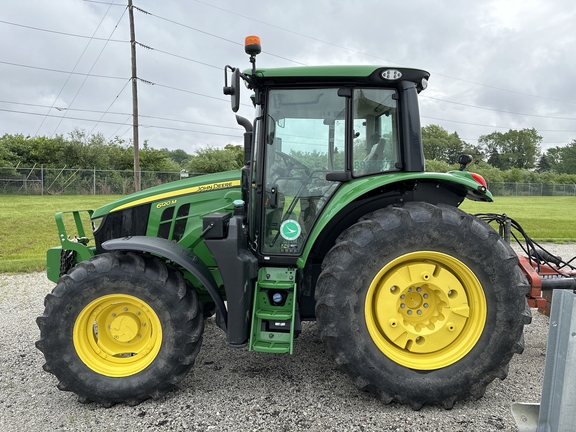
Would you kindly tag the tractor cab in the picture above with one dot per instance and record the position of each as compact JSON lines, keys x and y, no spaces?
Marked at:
{"x":315,"y":129}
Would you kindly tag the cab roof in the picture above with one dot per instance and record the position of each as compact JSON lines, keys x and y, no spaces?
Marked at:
{"x":342,"y":74}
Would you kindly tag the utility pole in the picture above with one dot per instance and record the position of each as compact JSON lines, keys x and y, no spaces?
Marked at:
{"x":134,"y":99}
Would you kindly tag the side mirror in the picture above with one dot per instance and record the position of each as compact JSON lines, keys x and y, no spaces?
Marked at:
{"x":234,"y":89}
{"x":464,"y":161}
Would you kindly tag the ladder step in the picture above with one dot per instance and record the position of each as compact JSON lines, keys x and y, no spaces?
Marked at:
{"x":272,"y":347}
{"x":276,"y":284}
{"x":269,"y":314}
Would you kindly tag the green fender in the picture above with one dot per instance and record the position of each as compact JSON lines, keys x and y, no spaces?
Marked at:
{"x":354,"y":189}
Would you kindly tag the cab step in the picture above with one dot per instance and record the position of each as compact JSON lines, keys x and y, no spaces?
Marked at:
{"x":274,"y":311}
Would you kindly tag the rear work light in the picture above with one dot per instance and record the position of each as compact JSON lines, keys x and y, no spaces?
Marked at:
{"x":479,"y":179}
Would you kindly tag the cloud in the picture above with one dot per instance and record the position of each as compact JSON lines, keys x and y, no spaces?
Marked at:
{"x":485,"y":57}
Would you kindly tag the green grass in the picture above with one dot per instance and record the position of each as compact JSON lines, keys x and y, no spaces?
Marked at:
{"x":27,"y":227}
{"x":543,"y":218}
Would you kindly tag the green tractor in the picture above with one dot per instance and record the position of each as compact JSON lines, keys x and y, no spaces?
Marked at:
{"x":332,"y":218}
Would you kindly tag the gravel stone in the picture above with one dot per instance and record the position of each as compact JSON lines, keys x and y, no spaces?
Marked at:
{"x":237,"y":390}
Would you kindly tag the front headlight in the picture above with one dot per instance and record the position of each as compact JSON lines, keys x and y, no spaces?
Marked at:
{"x":96,"y":223}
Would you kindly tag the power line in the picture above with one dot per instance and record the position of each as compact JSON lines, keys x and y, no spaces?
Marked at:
{"x":73,"y":69}
{"x":497,"y":110}
{"x":110,"y":106}
{"x":377,"y":57}
{"x":63,"y":33}
{"x":296,"y":33}
{"x":213,"y":35}
{"x":179,"y":56}
{"x":122,"y":114}
{"x":110,"y":40}
{"x":123,"y":123}
{"x":93,"y":64}
{"x":225,"y":100}
{"x":492,"y":126}
{"x":104,"y":3}
{"x":121,"y":78}
{"x":61,"y":71}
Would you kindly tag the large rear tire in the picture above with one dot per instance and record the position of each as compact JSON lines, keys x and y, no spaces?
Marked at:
{"x":120,"y":328}
{"x":422,"y":304}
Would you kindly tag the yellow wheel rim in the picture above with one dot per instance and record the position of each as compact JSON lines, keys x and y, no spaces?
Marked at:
{"x":117,"y":335}
{"x":425,"y":310}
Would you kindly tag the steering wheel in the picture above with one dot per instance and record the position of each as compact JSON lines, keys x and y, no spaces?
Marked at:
{"x":291,"y":163}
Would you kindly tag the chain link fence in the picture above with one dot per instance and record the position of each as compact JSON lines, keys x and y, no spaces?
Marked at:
{"x":531,"y":189}
{"x":50,"y":181}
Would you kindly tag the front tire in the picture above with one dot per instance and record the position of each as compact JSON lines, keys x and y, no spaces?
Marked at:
{"x":422,"y":304}
{"x":120,"y":328}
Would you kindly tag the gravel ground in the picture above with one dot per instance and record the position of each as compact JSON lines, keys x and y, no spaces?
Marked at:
{"x":232,"y":390}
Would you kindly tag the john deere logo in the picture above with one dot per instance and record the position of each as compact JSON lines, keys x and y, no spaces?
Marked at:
{"x":290,"y":229}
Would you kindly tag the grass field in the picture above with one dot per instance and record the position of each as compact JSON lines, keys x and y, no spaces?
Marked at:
{"x":27,"y":227}
{"x":543,"y":218}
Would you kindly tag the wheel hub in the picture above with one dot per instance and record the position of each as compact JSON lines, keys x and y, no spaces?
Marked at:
{"x":425,"y":310}
{"x":124,"y":328}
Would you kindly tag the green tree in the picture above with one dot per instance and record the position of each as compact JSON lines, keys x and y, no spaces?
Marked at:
{"x":512,"y":149}
{"x":156,"y":160}
{"x":238,"y":151}
{"x":567,"y":159}
{"x":179,"y":156}
{"x":438,"y":166}
{"x":439,"y":145}
{"x":84,"y":151}
{"x":7,"y":157}
{"x":211,"y":160}
{"x":544,"y":164}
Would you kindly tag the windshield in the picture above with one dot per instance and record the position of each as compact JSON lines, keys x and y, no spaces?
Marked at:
{"x":305,"y":139}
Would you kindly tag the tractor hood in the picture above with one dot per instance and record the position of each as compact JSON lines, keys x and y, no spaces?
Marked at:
{"x":173,"y":190}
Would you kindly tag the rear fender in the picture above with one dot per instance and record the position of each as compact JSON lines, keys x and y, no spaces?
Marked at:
{"x":355,"y":198}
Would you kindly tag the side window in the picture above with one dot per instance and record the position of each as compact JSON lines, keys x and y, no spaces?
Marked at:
{"x":375,"y":126}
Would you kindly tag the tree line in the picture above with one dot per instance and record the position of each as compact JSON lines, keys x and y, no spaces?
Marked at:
{"x":77,"y":150}
{"x":512,"y":156}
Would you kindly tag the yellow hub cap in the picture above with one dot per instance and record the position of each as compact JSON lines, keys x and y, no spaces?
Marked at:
{"x":425,"y":310}
{"x":117,"y":335}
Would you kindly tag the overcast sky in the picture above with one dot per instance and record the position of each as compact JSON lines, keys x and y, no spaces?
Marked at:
{"x":495,"y":65}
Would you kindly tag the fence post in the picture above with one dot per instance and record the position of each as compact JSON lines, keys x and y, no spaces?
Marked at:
{"x":42,"y":179}
{"x":94,"y":193}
